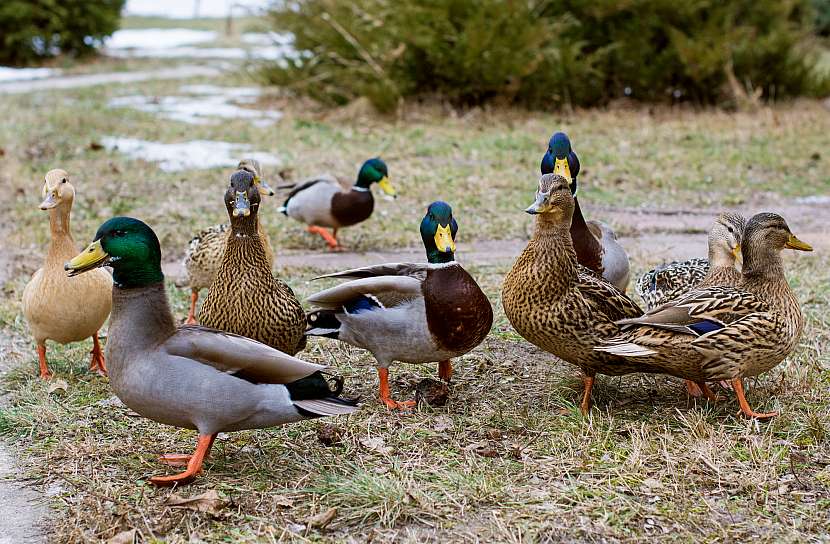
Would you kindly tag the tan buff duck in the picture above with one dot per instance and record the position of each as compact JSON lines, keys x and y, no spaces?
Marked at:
{"x":58,"y":308}
{"x":413,"y":313}
{"x":724,"y":333}
{"x":206,"y":249}
{"x":245,"y":298}
{"x":556,"y":303}
{"x":192,"y":377}
{"x":669,"y":281}
{"x":322,"y":202}
{"x":595,"y":243}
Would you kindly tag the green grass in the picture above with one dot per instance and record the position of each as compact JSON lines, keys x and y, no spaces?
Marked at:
{"x":510,"y":458}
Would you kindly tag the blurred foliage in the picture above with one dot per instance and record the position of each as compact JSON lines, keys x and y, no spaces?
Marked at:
{"x":547,"y":53}
{"x":34,"y":29}
{"x":821,"y":9}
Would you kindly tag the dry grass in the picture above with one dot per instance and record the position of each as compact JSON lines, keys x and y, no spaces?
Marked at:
{"x":509,"y":458}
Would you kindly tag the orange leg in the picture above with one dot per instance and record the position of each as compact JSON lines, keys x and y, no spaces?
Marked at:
{"x":97,"y":363}
{"x":708,"y":393}
{"x":194,"y":464}
{"x":386,"y":398}
{"x":445,"y":370}
{"x":738,"y":386}
{"x":585,"y":405}
{"x":326,"y":235}
{"x":41,"y":357}
{"x":693,"y":389}
{"x":191,"y":315}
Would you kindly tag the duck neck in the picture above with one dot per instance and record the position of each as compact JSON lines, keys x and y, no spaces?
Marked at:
{"x":554,"y":247}
{"x":245,"y":226}
{"x":61,"y":244}
{"x":246,"y":244}
{"x":141,"y":315}
{"x":762,"y":264}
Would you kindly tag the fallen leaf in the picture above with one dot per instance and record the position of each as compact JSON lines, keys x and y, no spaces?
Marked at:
{"x":124,"y":537}
{"x":58,"y":385}
{"x":376,"y":444}
{"x":321,"y":520}
{"x":283,"y":501}
{"x":209,"y":501}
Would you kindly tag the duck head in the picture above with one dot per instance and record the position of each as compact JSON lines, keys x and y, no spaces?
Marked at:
{"x":554,"y":200}
{"x":765,"y":236}
{"x":57,"y":191}
{"x":561,"y":159}
{"x":375,"y":171}
{"x":725,"y":239}
{"x":242,"y":198}
{"x":129,"y":246}
{"x":438,"y":230}
{"x":252,"y":166}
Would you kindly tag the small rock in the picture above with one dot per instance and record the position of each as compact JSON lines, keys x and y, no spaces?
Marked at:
{"x":433,"y":392}
{"x":329,"y":434}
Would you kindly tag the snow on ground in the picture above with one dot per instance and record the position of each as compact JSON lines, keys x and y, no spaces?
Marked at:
{"x":186,"y":155}
{"x":157,"y":38}
{"x":185,"y":9}
{"x":19,"y":74}
{"x":212,"y":104}
{"x":166,"y":43}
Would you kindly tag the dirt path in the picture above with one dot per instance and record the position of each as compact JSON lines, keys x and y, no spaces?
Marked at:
{"x":89,"y":80}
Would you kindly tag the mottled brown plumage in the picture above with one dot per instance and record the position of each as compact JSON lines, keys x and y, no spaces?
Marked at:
{"x":246,"y":298}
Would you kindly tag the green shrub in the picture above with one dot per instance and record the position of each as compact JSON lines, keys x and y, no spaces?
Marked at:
{"x":821,"y":17}
{"x":546,"y":53}
{"x":33,"y":29}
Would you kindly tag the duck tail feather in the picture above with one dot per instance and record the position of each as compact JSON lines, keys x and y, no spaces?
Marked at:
{"x":626,"y":349}
{"x":323,"y":323}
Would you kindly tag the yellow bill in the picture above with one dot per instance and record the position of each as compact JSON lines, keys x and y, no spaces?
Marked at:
{"x":443,"y":239}
{"x":562,"y":168}
{"x":264,"y":188}
{"x":386,"y":186}
{"x":795,"y":243}
{"x":91,"y":257}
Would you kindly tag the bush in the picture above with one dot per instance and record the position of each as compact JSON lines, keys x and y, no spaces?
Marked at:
{"x":822,"y":17}
{"x":34,"y":29}
{"x":547,"y":53}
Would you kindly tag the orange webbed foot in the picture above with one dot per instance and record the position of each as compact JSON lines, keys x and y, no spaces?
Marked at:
{"x":175,"y":459}
{"x":330,"y":239}
{"x":194,"y":464}
{"x":402,"y":405}
{"x":738,"y":386}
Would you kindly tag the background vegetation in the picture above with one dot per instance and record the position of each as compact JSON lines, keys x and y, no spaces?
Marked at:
{"x":34,"y":29}
{"x":549,"y":53}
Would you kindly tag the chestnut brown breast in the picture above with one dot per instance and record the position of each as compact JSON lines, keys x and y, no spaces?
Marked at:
{"x":352,"y":207}
{"x":459,"y":315}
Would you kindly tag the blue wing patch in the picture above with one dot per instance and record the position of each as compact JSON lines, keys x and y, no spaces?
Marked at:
{"x":702,"y":327}
{"x":362,"y":304}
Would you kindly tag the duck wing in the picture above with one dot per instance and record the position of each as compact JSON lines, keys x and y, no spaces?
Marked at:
{"x":384,"y":291}
{"x":234,"y":354}
{"x":412,"y":270}
{"x":605,"y":298}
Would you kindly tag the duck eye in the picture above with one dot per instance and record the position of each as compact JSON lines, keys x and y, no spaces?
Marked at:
{"x":63,"y":180}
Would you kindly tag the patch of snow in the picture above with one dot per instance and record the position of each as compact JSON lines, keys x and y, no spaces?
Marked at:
{"x":213,"y":103}
{"x":274,"y":52}
{"x":25,"y":74}
{"x":157,"y":38}
{"x":814,"y":199}
{"x":179,"y":9}
{"x":201,"y":154}
{"x":267,"y":38}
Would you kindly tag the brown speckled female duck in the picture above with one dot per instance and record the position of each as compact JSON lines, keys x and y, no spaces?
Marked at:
{"x":323,"y":202}
{"x":559,"y":305}
{"x":246,"y":298}
{"x":725,"y":333}
{"x":414,"y":313}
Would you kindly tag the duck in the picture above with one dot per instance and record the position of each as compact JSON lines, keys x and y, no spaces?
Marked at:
{"x":409,"y":312}
{"x":204,"y":251}
{"x":556,"y":303}
{"x":245,"y":297}
{"x":595,"y":242}
{"x":57,"y":308}
{"x":669,"y":281}
{"x":191,"y":376}
{"x":323,"y":202}
{"x":724,"y":332}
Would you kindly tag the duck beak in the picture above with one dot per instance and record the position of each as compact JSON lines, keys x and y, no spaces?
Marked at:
{"x":386,"y":185}
{"x":242,"y":206}
{"x":538,"y":205}
{"x":562,"y":168}
{"x":93,"y":256}
{"x":264,"y":188}
{"x":443,"y":239}
{"x":795,"y":243}
{"x":736,"y":251}
{"x":50,"y":201}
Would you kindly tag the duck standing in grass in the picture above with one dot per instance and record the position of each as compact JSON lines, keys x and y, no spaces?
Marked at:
{"x":322,"y":202}
{"x":595,"y":243}
{"x":669,"y":281}
{"x":58,"y":308}
{"x":205,"y":251}
{"x":413,"y":313}
{"x":721,"y":332}
{"x":245,"y":298}
{"x":192,"y":377}
{"x":556,"y":303}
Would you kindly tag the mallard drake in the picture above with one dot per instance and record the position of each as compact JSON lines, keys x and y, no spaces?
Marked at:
{"x":324,"y":202}
{"x":595,"y":243}
{"x":192,"y":376}
{"x":58,"y":308}
{"x":558,"y":304}
{"x":724,"y":333}
{"x":669,"y":281}
{"x":413,"y":313}
{"x":205,"y":250}
{"x":245,"y":298}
